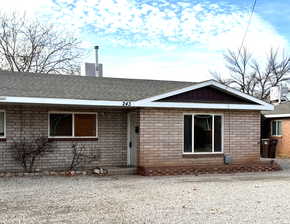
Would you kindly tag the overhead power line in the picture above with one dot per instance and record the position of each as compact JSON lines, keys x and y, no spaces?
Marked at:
{"x":247,"y":28}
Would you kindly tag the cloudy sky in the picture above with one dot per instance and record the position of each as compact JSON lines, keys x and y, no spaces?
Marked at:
{"x":165,"y":39}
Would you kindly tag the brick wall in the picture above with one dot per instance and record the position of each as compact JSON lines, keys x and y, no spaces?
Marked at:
{"x":283,"y":146}
{"x":32,"y":121}
{"x":161,"y":138}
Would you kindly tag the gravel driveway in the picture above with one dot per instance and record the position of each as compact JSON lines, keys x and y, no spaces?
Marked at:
{"x":242,"y":198}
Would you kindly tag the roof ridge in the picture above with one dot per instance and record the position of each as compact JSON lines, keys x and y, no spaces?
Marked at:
{"x":89,"y":77}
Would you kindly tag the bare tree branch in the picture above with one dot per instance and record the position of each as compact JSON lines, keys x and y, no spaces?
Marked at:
{"x":251,"y":77}
{"x":29,"y":46}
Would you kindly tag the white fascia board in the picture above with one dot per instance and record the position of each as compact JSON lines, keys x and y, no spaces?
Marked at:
{"x":276,"y":115}
{"x":205,"y":106}
{"x":204,"y":84}
{"x":58,"y":101}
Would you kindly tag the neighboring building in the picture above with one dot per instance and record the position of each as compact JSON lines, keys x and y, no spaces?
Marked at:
{"x":276,"y":125}
{"x":161,"y":127}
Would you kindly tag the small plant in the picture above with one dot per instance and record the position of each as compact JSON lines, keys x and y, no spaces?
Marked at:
{"x":27,"y":151}
{"x":82,"y":155}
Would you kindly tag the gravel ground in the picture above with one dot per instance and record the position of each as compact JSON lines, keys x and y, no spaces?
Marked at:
{"x":239,"y":198}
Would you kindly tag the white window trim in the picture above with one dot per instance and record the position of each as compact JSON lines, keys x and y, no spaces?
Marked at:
{"x":73,"y":127}
{"x":3,"y":137}
{"x":276,"y":128}
{"x":203,"y":153}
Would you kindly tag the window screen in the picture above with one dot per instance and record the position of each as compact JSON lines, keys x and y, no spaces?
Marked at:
{"x":279,"y":127}
{"x":61,"y":125}
{"x":276,"y":128}
{"x":187,"y":133}
{"x":2,"y":131}
{"x":85,"y":125}
{"x":202,"y":133}
{"x":217,"y":133}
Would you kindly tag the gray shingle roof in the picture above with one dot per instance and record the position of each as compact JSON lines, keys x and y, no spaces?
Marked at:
{"x":282,"y":108}
{"x":81,"y":87}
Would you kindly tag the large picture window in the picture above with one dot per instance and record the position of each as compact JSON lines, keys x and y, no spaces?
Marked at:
{"x":276,"y":128}
{"x":2,"y":124}
{"x":72,"y":125}
{"x":203,"y":133}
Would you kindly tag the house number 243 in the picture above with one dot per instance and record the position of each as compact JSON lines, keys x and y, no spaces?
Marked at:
{"x":126,"y":104}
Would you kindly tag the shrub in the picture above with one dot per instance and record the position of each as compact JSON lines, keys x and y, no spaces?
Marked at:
{"x":82,"y":155}
{"x":27,"y":151}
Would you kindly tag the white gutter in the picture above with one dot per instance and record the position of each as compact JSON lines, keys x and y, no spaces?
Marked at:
{"x":58,"y":101}
{"x":206,"y":106}
{"x":77,"y":102}
{"x":276,"y":115}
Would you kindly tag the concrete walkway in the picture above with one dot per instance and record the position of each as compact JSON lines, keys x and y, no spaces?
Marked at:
{"x":284,"y":163}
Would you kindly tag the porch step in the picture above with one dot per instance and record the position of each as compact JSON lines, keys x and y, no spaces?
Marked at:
{"x":122,"y":170}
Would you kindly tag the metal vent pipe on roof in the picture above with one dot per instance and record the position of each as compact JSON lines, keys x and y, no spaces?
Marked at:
{"x":99,"y":70}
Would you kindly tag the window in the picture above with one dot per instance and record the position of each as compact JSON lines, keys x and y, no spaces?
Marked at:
{"x":276,"y":128}
{"x":187,"y":133}
{"x":85,"y":125}
{"x":61,"y":125}
{"x":203,"y":133}
{"x":72,"y":125}
{"x":2,"y":124}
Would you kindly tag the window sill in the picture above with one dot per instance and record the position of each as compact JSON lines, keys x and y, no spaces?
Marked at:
{"x":207,"y":155}
{"x":276,"y":136}
{"x":73,"y":139}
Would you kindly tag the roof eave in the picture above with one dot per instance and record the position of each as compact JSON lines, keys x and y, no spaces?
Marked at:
{"x":78,"y":102}
{"x":276,"y":115}
{"x":205,"y":106}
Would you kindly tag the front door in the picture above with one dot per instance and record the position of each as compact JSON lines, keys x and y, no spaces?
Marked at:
{"x":132,"y":138}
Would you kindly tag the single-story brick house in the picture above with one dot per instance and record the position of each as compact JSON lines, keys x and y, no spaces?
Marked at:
{"x":276,"y":125}
{"x":157,"y":126}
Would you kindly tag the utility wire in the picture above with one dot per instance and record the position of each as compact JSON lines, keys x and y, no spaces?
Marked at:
{"x":242,"y":43}
{"x":247,"y":28}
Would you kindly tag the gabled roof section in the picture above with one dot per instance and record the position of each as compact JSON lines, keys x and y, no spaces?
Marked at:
{"x":207,"y":94}
{"x":249,"y":102}
{"x":95,"y":91}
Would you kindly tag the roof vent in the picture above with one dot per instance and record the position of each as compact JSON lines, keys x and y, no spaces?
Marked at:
{"x":278,"y":94}
{"x":275,"y":93}
{"x":93,"y":69}
{"x":99,"y":67}
{"x":89,"y":69}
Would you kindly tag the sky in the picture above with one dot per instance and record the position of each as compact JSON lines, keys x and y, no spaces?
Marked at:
{"x":165,"y":39}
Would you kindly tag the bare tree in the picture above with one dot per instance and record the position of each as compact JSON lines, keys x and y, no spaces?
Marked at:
{"x":250,"y":76}
{"x":31,"y":46}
